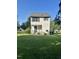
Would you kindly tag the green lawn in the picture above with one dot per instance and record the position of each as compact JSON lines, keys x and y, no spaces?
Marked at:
{"x":39,"y":47}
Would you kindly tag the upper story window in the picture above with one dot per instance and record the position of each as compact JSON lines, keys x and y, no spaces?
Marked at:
{"x":35,"y":19}
{"x":45,"y":19}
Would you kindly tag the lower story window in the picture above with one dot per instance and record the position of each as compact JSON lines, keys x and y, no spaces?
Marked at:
{"x":39,"y":26}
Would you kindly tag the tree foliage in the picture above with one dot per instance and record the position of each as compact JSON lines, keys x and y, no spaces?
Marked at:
{"x":54,"y":26}
{"x":18,"y":25}
{"x":25,"y":25}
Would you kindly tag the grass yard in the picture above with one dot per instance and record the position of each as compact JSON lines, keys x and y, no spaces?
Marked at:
{"x":39,"y":47}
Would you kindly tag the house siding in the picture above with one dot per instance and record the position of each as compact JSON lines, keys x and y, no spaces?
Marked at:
{"x":45,"y":25}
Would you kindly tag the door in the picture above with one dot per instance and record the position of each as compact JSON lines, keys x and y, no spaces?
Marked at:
{"x":35,"y":29}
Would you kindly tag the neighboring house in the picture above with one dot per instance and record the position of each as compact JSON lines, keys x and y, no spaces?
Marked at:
{"x":57,"y":31}
{"x":20,"y":29}
{"x":40,"y":23}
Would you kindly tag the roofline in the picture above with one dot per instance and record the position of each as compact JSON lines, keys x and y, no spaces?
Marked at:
{"x":41,"y":16}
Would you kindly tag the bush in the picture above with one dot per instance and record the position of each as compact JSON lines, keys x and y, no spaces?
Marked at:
{"x":38,"y":33}
{"x":45,"y":33}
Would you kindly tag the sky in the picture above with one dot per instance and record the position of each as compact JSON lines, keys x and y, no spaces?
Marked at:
{"x":26,"y":7}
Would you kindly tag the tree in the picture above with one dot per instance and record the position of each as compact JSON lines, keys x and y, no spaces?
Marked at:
{"x":58,"y":16}
{"x":18,"y":25}
{"x":23,"y":26}
{"x":54,"y":26}
{"x":57,"y":21}
{"x":27,"y":23}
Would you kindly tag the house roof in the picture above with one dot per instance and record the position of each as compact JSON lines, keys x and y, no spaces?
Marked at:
{"x":39,"y":15}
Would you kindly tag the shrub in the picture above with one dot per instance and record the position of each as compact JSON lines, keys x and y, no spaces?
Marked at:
{"x":45,"y":33}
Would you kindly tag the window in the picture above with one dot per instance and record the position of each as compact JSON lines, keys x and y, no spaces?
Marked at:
{"x":35,"y":19}
{"x":46,"y":30}
{"x":40,"y":27}
{"x":45,"y":19}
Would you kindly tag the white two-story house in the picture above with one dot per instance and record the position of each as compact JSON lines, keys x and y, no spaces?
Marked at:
{"x":40,"y":23}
